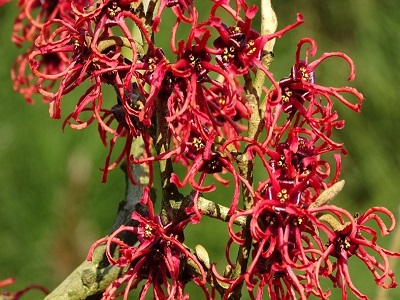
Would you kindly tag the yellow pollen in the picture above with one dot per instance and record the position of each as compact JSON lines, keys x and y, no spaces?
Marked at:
{"x":198,"y":144}
{"x":192,"y":59}
{"x":282,"y":195}
{"x":304,"y":74}
{"x":228,"y":53}
{"x":297,"y":221}
{"x":344,"y":243}
{"x":250,"y":45}
{"x":147,"y":231}
{"x":281,"y":162}
{"x":113,"y":10}
{"x":286,"y":96}
{"x":270,"y":220}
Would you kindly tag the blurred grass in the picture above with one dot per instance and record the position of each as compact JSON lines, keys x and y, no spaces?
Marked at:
{"x":53,"y":206}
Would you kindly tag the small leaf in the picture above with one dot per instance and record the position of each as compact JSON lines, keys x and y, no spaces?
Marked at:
{"x":202,"y":255}
{"x":328,"y":195}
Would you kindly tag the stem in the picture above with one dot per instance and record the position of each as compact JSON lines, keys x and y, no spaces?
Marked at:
{"x":256,"y":122}
{"x":171,"y":197}
{"x":133,"y":194}
{"x":246,"y":170}
{"x":214,"y":210}
{"x":90,"y":278}
{"x":269,"y":23}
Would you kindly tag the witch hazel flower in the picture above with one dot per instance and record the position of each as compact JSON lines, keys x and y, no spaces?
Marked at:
{"x":88,"y":52}
{"x":306,"y":103}
{"x":94,"y":54}
{"x":207,"y":109}
{"x":159,"y":259}
{"x":291,"y":258}
{"x":184,"y":11}
{"x":195,"y":148}
{"x":354,"y":238}
{"x":296,"y":171}
{"x":207,"y":159}
{"x":34,"y":14}
{"x":286,"y":246}
{"x":239,"y":47}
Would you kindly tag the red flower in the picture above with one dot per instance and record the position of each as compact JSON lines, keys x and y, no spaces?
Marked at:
{"x":297,"y":174}
{"x":308,"y":103}
{"x":159,"y":259}
{"x":82,"y":49}
{"x":238,"y":46}
{"x":287,"y":246}
{"x":27,"y":83}
{"x":354,"y":238}
{"x":303,"y":73}
{"x":194,"y":147}
{"x":34,"y":14}
{"x":184,"y":11}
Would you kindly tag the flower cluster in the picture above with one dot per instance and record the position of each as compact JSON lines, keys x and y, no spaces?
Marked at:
{"x":289,"y":256}
{"x":205,"y":109}
{"x":34,"y":14}
{"x":160,"y":259}
{"x":200,"y":89}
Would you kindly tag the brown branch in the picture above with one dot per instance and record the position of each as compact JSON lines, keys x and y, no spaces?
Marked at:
{"x":246,"y":170}
{"x":214,"y":210}
{"x":171,"y":197}
{"x":90,"y":278}
{"x":256,"y":124}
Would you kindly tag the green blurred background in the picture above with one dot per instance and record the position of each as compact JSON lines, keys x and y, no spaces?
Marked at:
{"x":53,"y":206}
